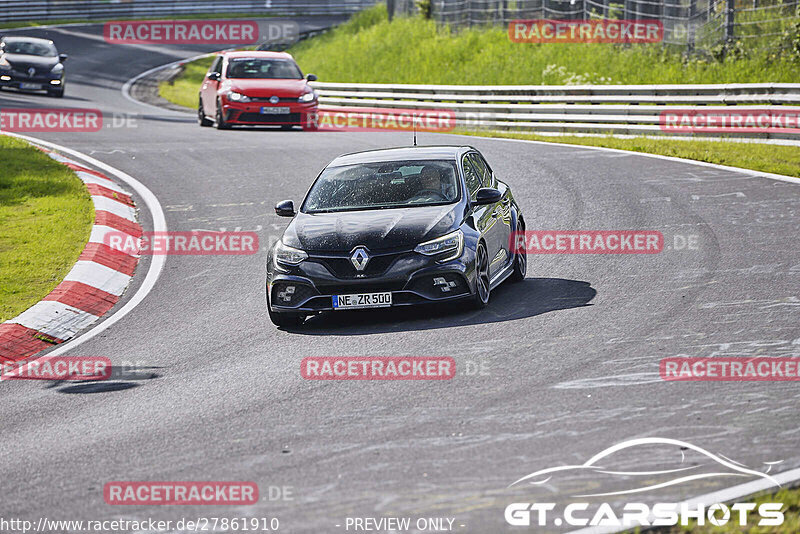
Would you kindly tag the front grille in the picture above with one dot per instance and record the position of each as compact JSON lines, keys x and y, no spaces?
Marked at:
{"x":360,"y":287}
{"x":266,"y":99}
{"x":343,"y":267}
{"x":265,"y":118}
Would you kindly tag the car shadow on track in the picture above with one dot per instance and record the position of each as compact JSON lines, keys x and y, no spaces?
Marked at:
{"x":120,"y":380}
{"x":509,"y":302}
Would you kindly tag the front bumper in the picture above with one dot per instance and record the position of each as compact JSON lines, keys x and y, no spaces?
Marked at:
{"x":16,"y":80}
{"x":300,"y":114}
{"x":412,"y":279}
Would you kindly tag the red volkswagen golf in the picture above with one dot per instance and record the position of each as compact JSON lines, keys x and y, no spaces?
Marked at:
{"x":257,"y":88}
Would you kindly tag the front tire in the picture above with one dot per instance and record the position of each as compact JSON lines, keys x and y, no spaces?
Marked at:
{"x":482,"y":284}
{"x":220,"y":119}
{"x":58,"y":93}
{"x":202,"y":120}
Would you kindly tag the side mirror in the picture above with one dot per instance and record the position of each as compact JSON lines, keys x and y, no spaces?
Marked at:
{"x":487,"y":195}
{"x":311,"y":77}
{"x":213,"y":76}
{"x":285,"y":208}
{"x":63,"y":57}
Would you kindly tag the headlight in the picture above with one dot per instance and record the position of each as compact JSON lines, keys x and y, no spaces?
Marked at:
{"x":58,"y":69}
{"x":233,"y":96}
{"x":289,"y":255}
{"x":308,"y":97}
{"x":4,"y":64}
{"x":452,"y":242}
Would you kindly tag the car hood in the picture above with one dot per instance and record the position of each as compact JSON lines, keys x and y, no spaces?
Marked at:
{"x":24,"y":62}
{"x":267,"y":88}
{"x":383,"y":229}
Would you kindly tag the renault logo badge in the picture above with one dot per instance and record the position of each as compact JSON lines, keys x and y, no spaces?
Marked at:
{"x":31,"y":72}
{"x":360,"y":258}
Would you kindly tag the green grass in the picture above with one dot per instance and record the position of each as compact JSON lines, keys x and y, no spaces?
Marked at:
{"x":791,"y":523}
{"x":46,"y":215}
{"x":184,"y":89}
{"x":369,"y":48}
{"x":776,"y":159}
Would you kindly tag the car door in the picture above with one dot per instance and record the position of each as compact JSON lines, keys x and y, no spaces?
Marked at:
{"x":208,"y":91}
{"x":502,"y":213}
{"x":485,"y":221}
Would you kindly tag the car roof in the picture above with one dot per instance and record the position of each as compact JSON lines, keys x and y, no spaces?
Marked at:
{"x":451,"y":152}
{"x":12,"y":38}
{"x":257,"y":53}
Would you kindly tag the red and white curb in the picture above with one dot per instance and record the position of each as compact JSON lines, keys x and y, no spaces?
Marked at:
{"x":93,"y":286}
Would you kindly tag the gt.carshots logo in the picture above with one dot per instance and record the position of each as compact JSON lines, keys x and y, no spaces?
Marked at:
{"x":607,"y":468}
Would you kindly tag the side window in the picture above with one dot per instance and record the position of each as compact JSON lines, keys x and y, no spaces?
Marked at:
{"x":483,"y":170}
{"x":471,"y":176}
{"x":217,"y":65}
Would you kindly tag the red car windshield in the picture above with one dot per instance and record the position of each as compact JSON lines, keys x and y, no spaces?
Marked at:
{"x":246,"y":67}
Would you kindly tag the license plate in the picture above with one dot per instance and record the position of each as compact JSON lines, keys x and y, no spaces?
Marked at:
{"x":363,"y":300}
{"x":34,"y":86}
{"x":274,"y":111}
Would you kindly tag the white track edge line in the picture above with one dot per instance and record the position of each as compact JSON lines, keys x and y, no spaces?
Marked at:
{"x":157,"y":262}
{"x":772,"y":176}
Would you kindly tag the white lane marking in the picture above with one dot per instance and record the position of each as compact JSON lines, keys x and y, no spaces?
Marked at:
{"x":108,"y":184}
{"x":112,"y":206}
{"x":156,"y":263}
{"x":126,"y":87}
{"x":762,"y":174}
{"x":99,"y":233}
{"x":98,"y":275}
{"x":55,"y":319}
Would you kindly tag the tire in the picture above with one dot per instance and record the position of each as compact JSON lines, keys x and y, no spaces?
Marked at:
{"x":202,"y":120}
{"x":58,"y":93}
{"x":482,"y":285}
{"x":220,"y":120}
{"x":520,"y":260}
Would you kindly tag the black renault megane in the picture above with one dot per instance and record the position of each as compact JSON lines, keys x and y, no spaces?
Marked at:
{"x":395,"y":227}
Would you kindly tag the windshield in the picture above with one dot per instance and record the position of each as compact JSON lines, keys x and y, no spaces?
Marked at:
{"x":246,"y":67}
{"x":383,"y":185}
{"x":30,"y":48}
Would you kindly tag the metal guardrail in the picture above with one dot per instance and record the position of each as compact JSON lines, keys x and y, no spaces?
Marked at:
{"x":44,"y":10}
{"x":615,"y":109}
